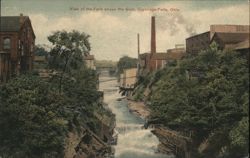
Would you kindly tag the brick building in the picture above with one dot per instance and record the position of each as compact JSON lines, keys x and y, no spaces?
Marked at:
{"x":198,"y":42}
{"x":235,"y":33}
{"x":17,"y":41}
{"x":153,"y":60}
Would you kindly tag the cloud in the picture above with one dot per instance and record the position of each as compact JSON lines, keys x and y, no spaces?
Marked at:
{"x":113,"y":34}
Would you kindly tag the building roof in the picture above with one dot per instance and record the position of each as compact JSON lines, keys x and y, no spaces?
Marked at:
{"x":144,"y":55}
{"x":238,"y":46}
{"x":10,"y":23}
{"x":159,"y":56}
{"x":242,"y":45}
{"x":208,"y":32}
{"x":39,"y":58}
{"x":176,"y":50}
{"x":89,"y":57}
{"x":175,"y":55}
{"x":230,"y":38}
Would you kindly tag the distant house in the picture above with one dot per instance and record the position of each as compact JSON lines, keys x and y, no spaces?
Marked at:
{"x":17,"y":41}
{"x":90,"y":61}
{"x":219,"y":33}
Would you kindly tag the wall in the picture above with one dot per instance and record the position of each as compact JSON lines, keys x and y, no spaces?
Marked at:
{"x":27,"y":43}
{"x":228,"y":28}
{"x":130,"y":77}
{"x":4,"y":66}
{"x":122,"y":80}
{"x":198,"y":42}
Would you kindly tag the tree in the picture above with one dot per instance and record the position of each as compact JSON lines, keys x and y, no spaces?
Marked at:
{"x":41,"y":51}
{"x":35,"y":119}
{"x":36,"y":115}
{"x":68,"y":51}
{"x":208,"y":94}
{"x":32,"y":119}
{"x":125,"y":63}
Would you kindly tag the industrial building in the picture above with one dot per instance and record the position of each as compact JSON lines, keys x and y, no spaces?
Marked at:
{"x":221,"y":34}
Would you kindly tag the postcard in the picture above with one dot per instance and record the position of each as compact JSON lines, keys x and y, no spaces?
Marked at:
{"x":124,"y":78}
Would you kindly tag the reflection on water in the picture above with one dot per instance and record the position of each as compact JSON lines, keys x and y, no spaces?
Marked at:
{"x":133,"y":140}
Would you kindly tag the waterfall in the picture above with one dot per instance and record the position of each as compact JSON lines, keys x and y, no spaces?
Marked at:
{"x":133,"y":140}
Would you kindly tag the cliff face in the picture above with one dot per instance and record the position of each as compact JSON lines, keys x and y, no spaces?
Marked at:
{"x":89,"y":143}
{"x":173,"y":142}
{"x":86,"y":145}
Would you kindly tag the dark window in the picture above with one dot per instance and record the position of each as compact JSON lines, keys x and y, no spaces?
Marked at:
{"x":6,"y":43}
{"x":22,"y":49}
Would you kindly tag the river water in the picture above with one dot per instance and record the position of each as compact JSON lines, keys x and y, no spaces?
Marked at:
{"x":133,"y":140}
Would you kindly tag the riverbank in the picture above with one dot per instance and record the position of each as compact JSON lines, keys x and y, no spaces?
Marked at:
{"x":138,"y":108}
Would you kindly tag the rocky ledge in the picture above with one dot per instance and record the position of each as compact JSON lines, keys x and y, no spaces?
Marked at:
{"x":139,"y":109}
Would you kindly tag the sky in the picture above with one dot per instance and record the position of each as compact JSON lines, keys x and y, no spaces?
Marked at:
{"x":113,"y":24}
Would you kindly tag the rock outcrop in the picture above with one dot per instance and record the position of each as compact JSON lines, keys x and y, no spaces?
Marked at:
{"x":85,"y":143}
{"x":173,"y":142}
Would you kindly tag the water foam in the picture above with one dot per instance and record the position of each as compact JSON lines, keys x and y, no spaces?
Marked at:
{"x":133,"y":140}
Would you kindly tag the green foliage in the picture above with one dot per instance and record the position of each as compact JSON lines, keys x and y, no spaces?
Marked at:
{"x":207,"y":93}
{"x":36,"y":115}
{"x":68,"y":49}
{"x":105,"y":63}
{"x":125,"y":63}
{"x":31,"y":121}
{"x":35,"y":118}
{"x":67,"y":52}
{"x":40,"y":51}
{"x":240,"y":135}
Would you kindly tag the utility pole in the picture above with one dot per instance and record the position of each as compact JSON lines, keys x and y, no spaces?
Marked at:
{"x":138,"y":55}
{"x":138,"y":42}
{"x":0,"y":9}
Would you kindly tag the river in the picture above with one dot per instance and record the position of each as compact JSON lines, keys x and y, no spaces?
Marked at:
{"x":133,"y":140}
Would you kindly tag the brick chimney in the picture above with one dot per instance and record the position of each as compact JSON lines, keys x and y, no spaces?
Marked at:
{"x":21,"y":20}
{"x":153,"y":36}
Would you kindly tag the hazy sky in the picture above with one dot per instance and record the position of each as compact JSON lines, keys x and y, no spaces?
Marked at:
{"x":114,"y":30}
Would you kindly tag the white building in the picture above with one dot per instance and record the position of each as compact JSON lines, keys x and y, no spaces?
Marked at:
{"x":128,"y":78}
{"x":90,"y":61}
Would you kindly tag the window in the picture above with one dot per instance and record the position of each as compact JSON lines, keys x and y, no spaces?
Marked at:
{"x":6,"y":43}
{"x":32,"y":47}
{"x":19,"y":44}
{"x":22,"y":49}
{"x":28,"y":32}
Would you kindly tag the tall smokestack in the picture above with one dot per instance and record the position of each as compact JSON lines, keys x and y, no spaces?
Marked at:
{"x":153,"y":38}
{"x":138,"y":46}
